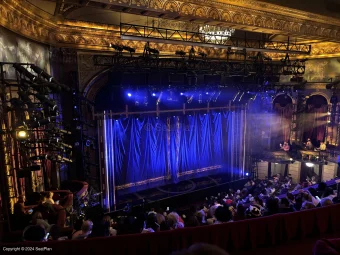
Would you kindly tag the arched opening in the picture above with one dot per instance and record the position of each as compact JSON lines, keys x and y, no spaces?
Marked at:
{"x":315,"y":119}
{"x":283,"y":110}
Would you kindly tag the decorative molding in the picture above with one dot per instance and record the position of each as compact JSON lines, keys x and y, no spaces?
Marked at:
{"x":29,"y":21}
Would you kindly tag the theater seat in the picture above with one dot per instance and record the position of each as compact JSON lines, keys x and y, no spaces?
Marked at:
{"x":327,"y":247}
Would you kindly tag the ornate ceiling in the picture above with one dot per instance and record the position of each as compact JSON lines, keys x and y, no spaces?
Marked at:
{"x":92,"y":25}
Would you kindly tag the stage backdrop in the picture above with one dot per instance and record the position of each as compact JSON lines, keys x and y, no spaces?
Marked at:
{"x":144,"y":152}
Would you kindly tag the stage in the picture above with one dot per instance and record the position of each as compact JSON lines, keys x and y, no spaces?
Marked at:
{"x":181,"y":192}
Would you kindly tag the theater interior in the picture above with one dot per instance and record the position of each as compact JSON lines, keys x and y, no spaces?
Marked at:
{"x":170,"y":127}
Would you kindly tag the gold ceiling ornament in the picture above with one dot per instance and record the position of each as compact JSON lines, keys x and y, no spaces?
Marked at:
{"x":31,"y":22}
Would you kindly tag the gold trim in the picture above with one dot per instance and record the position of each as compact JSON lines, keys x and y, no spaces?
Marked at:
{"x":29,"y":21}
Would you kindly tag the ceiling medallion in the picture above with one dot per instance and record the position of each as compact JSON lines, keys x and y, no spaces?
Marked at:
{"x":216,"y":34}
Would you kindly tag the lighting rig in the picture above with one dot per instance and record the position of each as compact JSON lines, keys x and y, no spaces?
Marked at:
{"x":32,"y":132}
{"x":84,"y":138}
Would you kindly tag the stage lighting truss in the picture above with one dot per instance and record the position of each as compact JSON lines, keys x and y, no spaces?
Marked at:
{"x":208,"y":36}
{"x":259,"y":67}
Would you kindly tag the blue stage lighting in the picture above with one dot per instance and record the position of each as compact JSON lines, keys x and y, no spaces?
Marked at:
{"x":247,"y":174}
{"x":153,"y":94}
{"x":129,"y":94}
{"x":207,"y":93}
{"x":182,"y":94}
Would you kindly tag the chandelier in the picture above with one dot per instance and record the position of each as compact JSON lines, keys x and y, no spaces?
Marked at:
{"x":216,"y":34}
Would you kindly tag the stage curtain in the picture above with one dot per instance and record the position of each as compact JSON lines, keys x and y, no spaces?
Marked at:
{"x":149,"y":151}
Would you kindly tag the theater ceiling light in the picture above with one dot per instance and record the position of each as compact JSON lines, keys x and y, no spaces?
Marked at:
{"x":216,"y":34}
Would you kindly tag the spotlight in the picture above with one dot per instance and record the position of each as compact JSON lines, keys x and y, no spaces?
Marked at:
{"x":129,"y":49}
{"x":182,"y":94}
{"x":21,"y":135}
{"x":153,"y":94}
{"x":309,"y":164}
{"x":328,"y":113}
{"x":129,"y":94}
{"x":207,"y":93}
{"x":291,"y":159}
{"x":22,"y":70}
{"x":42,"y":73}
{"x":247,"y":174}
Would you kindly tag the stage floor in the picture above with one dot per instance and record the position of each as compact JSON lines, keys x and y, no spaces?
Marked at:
{"x":171,"y":190}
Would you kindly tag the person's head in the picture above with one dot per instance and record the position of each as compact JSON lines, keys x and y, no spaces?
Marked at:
{"x":34,"y":233}
{"x":200,"y":215}
{"x":258,"y":201}
{"x":223,"y":214}
{"x":284,"y":202}
{"x":36,"y":216}
{"x":326,"y":202}
{"x":290,"y":196}
{"x":272,"y":205}
{"x":87,"y":226}
{"x":42,"y":199}
{"x":78,"y":224}
{"x":151,"y":222}
{"x":240,"y":210}
{"x":173,"y":218}
{"x":21,"y":199}
{"x":307,"y":205}
{"x":322,"y":186}
{"x":55,"y":232}
{"x":100,"y":229}
{"x":160,"y":218}
{"x":49,"y":194}
{"x":328,"y":192}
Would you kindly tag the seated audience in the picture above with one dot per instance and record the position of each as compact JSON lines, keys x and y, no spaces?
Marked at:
{"x":151,"y":224}
{"x":222,"y":215}
{"x":307,"y":205}
{"x":326,"y":202}
{"x":34,"y":233}
{"x":191,"y":219}
{"x":272,"y":206}
{"x":86,"y":230}
{"x":55,"y":234}
{"x":174,"y":221}
{"x":49,"y":198}
{"x":285,"y":206}
{"x":37,"y":219}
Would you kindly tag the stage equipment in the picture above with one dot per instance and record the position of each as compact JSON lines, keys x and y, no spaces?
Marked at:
{"x":227,"y":67}
{"x":21,"y":134}
{"x":150,"y":52}
{"x":42,"y":73}
{"x":209,"y":39}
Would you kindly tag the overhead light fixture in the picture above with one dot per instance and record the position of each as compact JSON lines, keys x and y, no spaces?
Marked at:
{"x":309,"y":164}
{"x":216,"y":34}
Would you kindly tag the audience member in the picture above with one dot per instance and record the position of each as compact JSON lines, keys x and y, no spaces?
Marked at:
{"x":49,"y":198}
{"x":86,"y":230}
{"x":37,"y":219}
{"x":222,"y":215}
{"x":34,"y":233}
{"x":174,"y":222}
